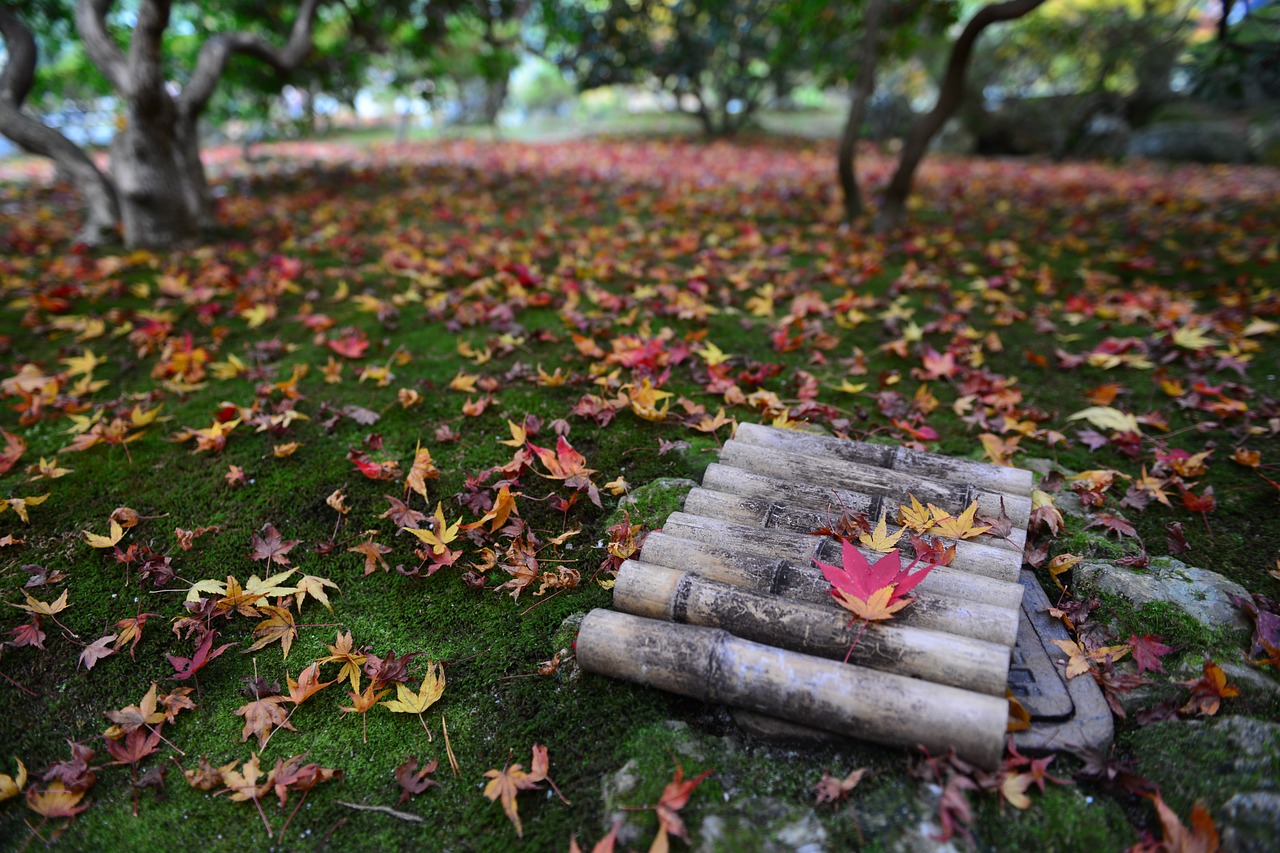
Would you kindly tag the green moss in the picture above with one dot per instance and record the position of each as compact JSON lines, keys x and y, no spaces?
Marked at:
{"x":1206,"y":761}
{"x":1170,"y":623}
{"x":1064,"y":818}
{"x":650,"y":505}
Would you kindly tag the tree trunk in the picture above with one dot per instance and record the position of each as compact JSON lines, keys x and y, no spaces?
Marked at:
{"x":100,"y":211}
{"x":863,"y":86}
{"x":161,"y":185}
{"x":195,"y":185}
{"x":495,"y":95}
{"x":152,"y":188}
{"x":949,"y":97}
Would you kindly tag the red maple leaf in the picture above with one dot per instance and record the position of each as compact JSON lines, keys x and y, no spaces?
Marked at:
{"x":1147,"y":651}
{"x":873,"y":592}
{"x":1116,"y":524}
{"x":184,"y":668}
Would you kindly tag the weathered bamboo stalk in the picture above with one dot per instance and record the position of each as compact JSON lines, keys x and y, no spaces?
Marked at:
{"x":802,"y":548}
{"x":657,"y":592}
{"x":712,"y":665}
{"x":946,"y":469}
{"x":765,"y":512}
{"x":831,"y":500}
{"x":933,"y":609}
{"x":786,"y":464}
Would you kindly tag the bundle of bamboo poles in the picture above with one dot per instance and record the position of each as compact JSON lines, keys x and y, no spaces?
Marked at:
{"x":725,"y":604}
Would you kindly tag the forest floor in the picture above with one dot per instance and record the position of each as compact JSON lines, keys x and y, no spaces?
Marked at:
{"x":209,"y":446}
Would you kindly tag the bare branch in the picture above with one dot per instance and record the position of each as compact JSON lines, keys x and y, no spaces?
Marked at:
{"x":406,"y":816}
{"x":213,"y":57}
{"x":91,"y":22}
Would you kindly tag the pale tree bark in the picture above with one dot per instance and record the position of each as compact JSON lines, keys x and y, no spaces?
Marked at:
{"x":950,"y":95}
{"x":100,"y":210}
{"x":160,"y":180}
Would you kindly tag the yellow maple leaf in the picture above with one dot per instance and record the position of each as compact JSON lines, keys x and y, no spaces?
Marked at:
{"x":519,"y":435}
{"x":11,"y":786}
{"x":876,"y":607}
{"x":439,"y":538}
{"x":93,"y":540}
{"x":408,"y":702}
{"x":42,"y":608}
{"x":712,"y":354}
{"x":915,"y":517}
{"x":1105,"y":417}
{"x":958,"y":527}
{"x":20,"y":505}
{"x":880,"y":538}
{"x":644,"y":401}
{"x":464,"y":382}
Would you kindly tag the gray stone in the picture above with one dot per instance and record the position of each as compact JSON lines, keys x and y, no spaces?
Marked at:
{"x":1255,"y":745}
{"x":1250,"y":822}
{"x":805,"y":835}
{"x":1200,"y":593}
{"x":1191,"y":141}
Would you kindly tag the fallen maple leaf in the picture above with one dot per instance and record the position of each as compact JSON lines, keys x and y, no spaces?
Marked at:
{"x":830,"y":789}
{"x":880,"y":539}
{"x":1202,"y":837}
{"x":185,"y":668}
{"x":270,"y":546}
{"x":1208,"y":691}
{"x":675,"y":796}
{"x":11,"y":786}
{"x":1147,"y":651}
{"x":56,"y":801}
{"x":20,"y":505}
{"x":872,"y":593}
{"x":373,"y":555}
{"x":957,"y":527}
{"x":506,"y":783}
{"x":278,"y":626}
{"x":96,"y":651}
{"x":314,"y":586}
{"x":407,"y":702}
{"x":93,"y":540}
{"x":441,"y":536}
{"x":261,"y":716}
{"x":352,"y":660}
{"x":413,"y":779}
{"x":361,"y":703}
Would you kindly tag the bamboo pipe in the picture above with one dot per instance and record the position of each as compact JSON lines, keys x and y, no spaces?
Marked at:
{"x":935,"y":466}
{"x":657,"y":592}
{"x":828,"y":499}
{"x":765,"y":512}
{"x":981,"y":620}
{"x":802,"y":548}
{"x":787,"y":464}
{"x":711,"y":665}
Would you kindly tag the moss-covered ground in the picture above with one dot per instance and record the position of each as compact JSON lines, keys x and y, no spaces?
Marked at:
{"x":1022,"y":294}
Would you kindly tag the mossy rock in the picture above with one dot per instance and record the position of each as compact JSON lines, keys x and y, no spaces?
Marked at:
{"x":650,"y":504}
{"x":1200,"y":594}
{"x":1228,"y":764}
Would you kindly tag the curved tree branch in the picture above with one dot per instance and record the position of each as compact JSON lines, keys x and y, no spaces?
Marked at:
{"x":213,"y":57}
{"x":91,"y":22}
{"x":950,"y":95}
{"x":34,"y":136}
{"x":19,"y":73}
